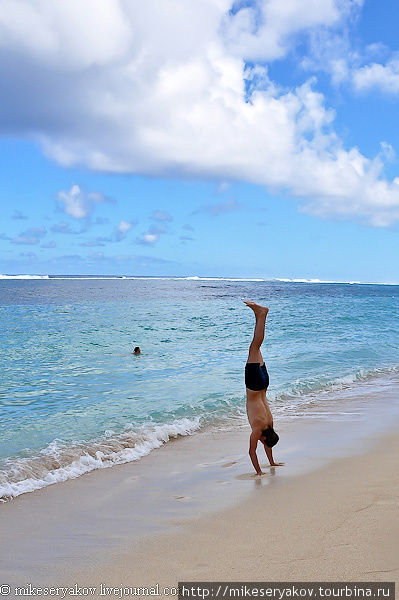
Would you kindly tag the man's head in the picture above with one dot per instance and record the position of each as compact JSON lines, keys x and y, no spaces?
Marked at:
{"x":137,"y":350}
{"x":269,"y":437}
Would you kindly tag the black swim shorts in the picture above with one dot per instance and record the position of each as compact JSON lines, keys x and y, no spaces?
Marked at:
{"x":256,"y":377}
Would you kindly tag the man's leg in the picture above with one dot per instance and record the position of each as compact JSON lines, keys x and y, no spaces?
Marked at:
{"x":255,"y":354}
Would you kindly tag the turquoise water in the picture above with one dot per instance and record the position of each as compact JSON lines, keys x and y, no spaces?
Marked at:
{"x":73,"y":398}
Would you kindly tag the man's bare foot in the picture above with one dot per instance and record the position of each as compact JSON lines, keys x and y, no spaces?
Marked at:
{"x":257,"y":308}
{"x":278,"y":464}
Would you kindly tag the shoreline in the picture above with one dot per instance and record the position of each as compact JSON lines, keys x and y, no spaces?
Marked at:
{"x":202,"y":481}
{"x":343,"y":400}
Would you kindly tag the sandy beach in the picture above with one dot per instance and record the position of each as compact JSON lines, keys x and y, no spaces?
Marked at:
{"x":193,"y":510}
{"x":339,"y":523}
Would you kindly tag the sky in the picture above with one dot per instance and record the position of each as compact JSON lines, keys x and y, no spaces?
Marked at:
{"x":200,"y":138}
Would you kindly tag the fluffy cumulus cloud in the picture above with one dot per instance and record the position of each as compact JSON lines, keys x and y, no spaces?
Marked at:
{"x":384,"y":77}
{"x":373,"y":67}
{"x":174,"y":88}
{"x":80,"y":204}
{"x":264,"y":30}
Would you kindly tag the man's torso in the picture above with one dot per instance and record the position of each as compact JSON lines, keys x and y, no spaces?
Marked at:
{"x":258,"y":411}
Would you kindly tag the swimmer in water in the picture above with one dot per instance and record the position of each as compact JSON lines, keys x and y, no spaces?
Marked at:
{"x":136,"y":351}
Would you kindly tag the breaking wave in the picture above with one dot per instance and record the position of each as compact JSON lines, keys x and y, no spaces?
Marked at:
{"x":60,"y":461}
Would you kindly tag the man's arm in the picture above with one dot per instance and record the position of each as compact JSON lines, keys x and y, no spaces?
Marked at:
{"x":269,"y":454}
{"x":253,"y":442}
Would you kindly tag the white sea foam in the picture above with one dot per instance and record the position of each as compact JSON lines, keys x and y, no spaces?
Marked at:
{"x":197,"y":278}
{"x":302,"y":391}
{"x":24,"y":276}
{"x":314,"y":280}
{"x":59,"y":461}
{"x":330,"y":281}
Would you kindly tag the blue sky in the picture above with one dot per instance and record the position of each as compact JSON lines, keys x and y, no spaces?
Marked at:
{"x":250,"y":140}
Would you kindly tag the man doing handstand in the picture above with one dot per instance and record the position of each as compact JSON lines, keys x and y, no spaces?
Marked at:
{"x":257,"y":381}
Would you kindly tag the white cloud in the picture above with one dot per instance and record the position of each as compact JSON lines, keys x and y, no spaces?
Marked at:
{"x":378,"y":76}
{"x":332,"y":51}
{"x":152,"y":235}
{"x":161,"y":88}
{"x":374,"y":67}
{"x":65,"y":32}
{"x":150,"y":238}
{"x":264,"y":31}
{"x":387,"y":152}
{"x":80,"y":204}
{"x":123,"y":228}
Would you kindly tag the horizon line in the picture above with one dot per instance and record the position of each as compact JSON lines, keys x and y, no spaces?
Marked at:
{"x":313,"y":280}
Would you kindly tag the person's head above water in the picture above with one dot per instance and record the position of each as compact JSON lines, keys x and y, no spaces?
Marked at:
{"x":137,"y":350}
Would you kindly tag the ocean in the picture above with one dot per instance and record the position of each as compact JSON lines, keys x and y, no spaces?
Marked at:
{"x":73,"y":398}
